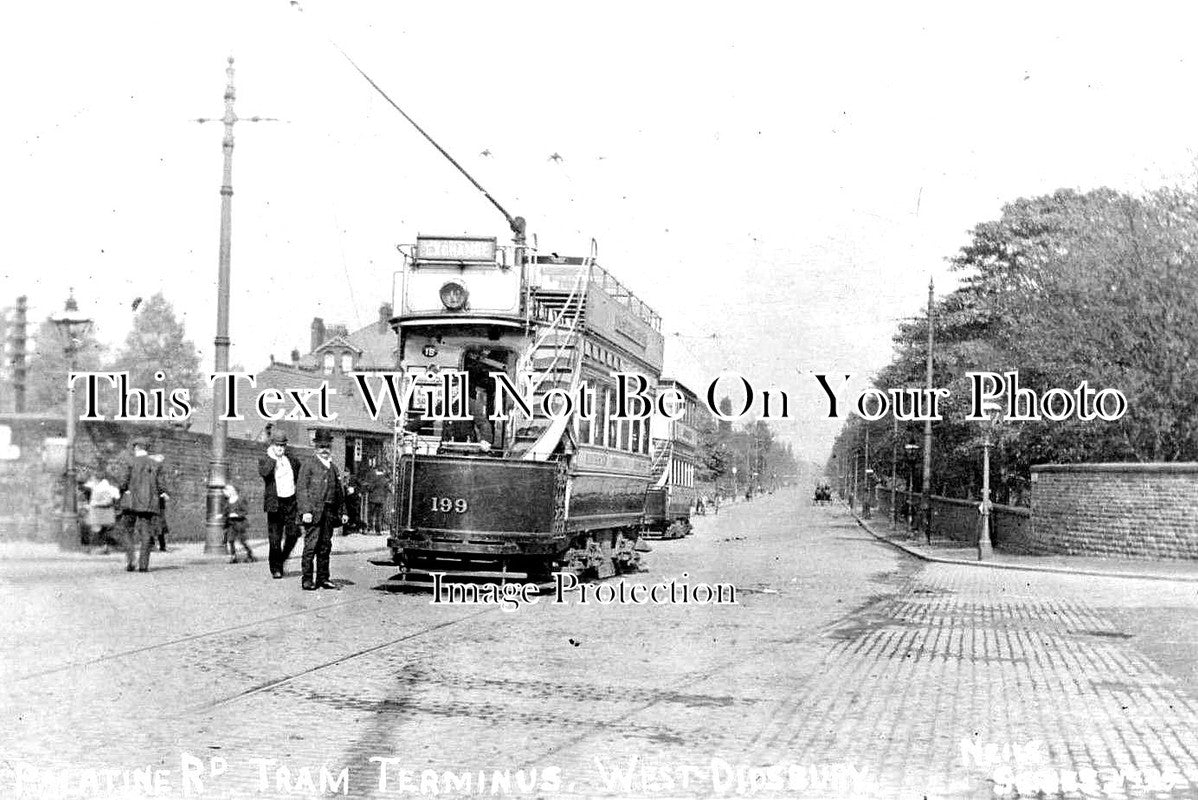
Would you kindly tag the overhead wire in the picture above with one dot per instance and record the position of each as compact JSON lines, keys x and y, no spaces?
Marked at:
{"x":515,"y":223}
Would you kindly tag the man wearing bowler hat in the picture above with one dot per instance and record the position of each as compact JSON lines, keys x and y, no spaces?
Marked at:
{"x":279,"y":470}
{"x":320,"y":501}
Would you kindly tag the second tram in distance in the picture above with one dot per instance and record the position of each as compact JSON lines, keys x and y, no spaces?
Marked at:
{"x":675,"y":446}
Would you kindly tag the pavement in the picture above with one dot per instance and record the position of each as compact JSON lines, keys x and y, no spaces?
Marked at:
{"x":846,"y":668}
{"x":951,"y":552}
{"x":25,"y":561}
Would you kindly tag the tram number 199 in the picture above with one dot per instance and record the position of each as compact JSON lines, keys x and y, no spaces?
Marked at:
{"x":448,"y":504}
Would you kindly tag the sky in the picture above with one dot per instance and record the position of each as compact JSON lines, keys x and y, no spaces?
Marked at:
{"x":780,"y":181}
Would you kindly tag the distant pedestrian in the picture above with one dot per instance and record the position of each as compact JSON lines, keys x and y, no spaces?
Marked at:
{"x":161,"y":526}
{"x":235,"y":524}
{"x":320,"y":499}
{"x":142,"y":493}
{"x":279,"y":470}
{"x":353,"y":504}
{"x":103,"y":496}
{"x":375,"y":485}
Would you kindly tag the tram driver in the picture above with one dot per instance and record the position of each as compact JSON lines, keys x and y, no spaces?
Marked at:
{"x":476,"y":429}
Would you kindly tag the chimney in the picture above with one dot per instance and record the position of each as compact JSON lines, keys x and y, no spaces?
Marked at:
{"x":295,"y":355}
{"x":317,"y":333}
{"x":384,"y":317}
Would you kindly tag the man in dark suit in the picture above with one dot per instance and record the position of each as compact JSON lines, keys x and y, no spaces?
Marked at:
{"x":320,"y":500}
{"x":142,"y":492}
{"x":279,"y":470}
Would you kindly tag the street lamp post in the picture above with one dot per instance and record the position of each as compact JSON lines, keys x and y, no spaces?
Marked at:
{"x":72,"y":326}
{"x":985,"y":548}
{"x":912,"y":452}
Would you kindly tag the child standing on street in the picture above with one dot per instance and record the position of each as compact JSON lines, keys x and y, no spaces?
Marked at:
{"x":235,"y":524}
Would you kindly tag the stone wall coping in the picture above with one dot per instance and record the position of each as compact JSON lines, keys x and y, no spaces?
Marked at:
{"x":1019,"y":511}
{"x":1146,"y":468}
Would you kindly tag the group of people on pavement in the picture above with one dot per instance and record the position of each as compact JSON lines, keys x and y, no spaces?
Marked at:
{"x":131,"y":504}
{"x":301,"y":497}
{"x":306,"y":494}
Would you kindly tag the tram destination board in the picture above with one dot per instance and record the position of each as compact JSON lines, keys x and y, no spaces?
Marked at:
{"x":456,"y":248}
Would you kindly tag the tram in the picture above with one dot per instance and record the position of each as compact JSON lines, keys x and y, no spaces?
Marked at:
{"x":518,"y":498}
{"x":674,"y":446}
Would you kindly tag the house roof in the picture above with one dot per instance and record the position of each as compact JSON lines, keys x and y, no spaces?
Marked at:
{"x":343,"y":400}
{"x":375,"y":347}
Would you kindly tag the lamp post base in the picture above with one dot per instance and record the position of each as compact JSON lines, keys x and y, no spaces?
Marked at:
{"x":214,"y":517}
{"x":68,"y":531}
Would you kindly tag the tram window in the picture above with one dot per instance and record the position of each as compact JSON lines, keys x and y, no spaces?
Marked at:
{"x":604,"y":423}
{"x":584,"y":429}
{"x":613,"y":431}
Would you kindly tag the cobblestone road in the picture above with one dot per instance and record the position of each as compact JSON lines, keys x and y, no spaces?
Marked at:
{"x":845,"y":669}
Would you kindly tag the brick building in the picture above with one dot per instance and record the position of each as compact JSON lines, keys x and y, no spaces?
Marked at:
{"x":333,"y":353}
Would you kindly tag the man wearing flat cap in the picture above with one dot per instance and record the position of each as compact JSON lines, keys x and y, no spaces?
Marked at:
{"x":320,"y":500}
{"x":142,"y":492}
{"x":279,"y":470}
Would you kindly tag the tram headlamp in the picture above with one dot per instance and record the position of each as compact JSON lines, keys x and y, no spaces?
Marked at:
{"x":453,"y":296}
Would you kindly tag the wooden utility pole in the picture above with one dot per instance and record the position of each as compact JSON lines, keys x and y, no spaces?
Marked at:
{"x":893,"y":469}
{"x":17,"y":338}
{"x":925,"y":503}
{"x":218,"y":465}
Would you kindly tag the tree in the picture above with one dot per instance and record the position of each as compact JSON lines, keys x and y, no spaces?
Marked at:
{"x":1100,"y":287}
{"x":157,"y":344}
{"x":47,"y":366}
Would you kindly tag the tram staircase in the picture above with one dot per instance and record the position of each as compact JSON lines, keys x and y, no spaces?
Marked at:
{"x":659,"y":468}
{"x":553,"y":362}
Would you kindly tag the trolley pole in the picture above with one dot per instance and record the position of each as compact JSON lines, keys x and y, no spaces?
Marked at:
{"x":218,"y":465}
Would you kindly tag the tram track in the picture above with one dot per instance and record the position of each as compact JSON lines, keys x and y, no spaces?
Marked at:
{"x":181,"y":640}
{"x":281,"y":681}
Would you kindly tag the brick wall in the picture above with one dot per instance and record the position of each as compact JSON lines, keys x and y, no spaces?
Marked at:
{"x":1116,"y":510}
{"x":958,"y":520}
{"x":31,"y":489}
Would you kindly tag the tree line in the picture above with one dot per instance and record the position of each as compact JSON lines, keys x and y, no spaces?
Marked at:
{"x":156,"y":342}
{"x":733,"y":460}
{"x":1100,"y":286}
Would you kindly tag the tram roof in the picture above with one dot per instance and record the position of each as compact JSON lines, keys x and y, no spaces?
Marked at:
{"x":680,"y":386}
{"x":608,"y":283}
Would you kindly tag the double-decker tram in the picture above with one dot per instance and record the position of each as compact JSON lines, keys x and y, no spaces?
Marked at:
{"x":524,"y":496}
{"x":674,"y":447}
